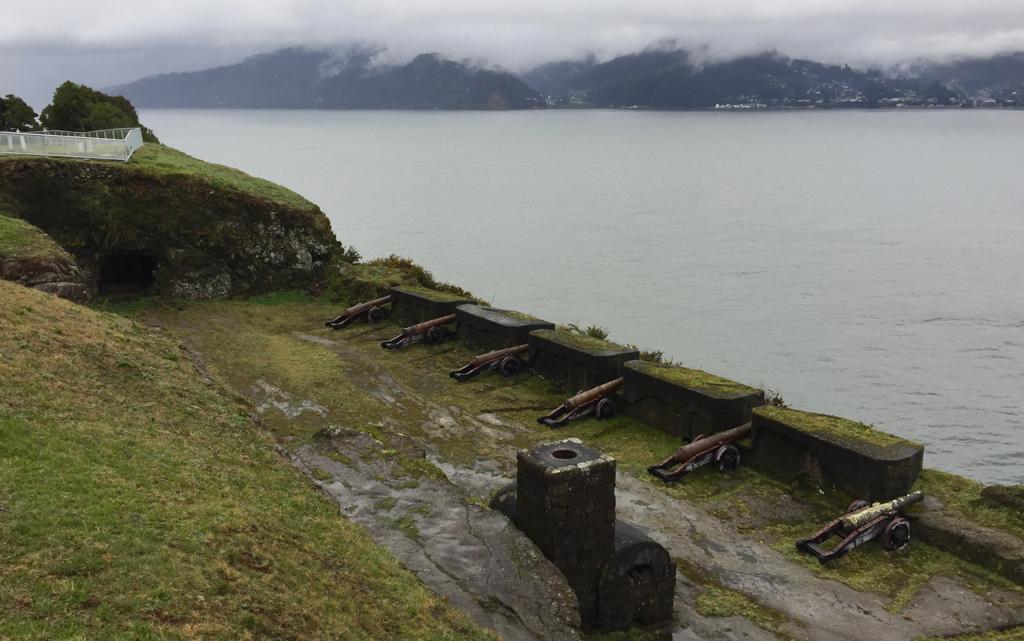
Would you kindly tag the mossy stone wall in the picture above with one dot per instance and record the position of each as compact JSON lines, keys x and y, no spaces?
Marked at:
{"x":871,"y":465}
{"x":576,"y":362}
{"x":413,"y":305}
{"x":686,"y":402}
{"x":486,"y":329}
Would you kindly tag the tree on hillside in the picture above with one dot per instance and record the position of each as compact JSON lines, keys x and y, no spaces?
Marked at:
{"x":16,"y":115}
{"x":79,"y":108}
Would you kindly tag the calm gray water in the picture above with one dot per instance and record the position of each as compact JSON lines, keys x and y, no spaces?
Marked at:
{"x":865,"y":264}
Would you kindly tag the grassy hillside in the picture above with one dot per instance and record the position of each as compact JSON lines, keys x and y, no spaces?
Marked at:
{"x":202,"y":230}
{"x":167,"y":161}
{"x":21,"y":241}
{"x":138,"y":502}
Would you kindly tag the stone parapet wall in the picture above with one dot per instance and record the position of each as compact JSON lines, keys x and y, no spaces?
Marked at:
{"x":486,"y":328}
{"x":686,"y":402}
{"x":577,"y":362}
{"x":412,"y":305}
{"x":867,"y":463}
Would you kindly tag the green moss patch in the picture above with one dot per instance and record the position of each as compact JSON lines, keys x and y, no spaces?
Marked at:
{"x":514,"y":314}
{"x":433,"y":294}
{"x":692,"y":378}
{"x":962,"y":497}
{"x":833,"y":428}
{"x":578,"y":341}
{"x":1015,"y":633}
{"x":717,"y":601}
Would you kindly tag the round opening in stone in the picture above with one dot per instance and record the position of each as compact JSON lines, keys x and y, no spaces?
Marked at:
{"x":564,"y":454}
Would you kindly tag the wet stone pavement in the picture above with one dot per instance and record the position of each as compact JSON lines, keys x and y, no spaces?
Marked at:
{"x":431,"y":513}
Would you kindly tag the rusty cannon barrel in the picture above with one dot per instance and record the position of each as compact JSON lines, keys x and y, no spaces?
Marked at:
{"x":595,"y":401}
{"x":718,"y":448}
{"x":498,"y":354}
{"x":504,"y":360}
{"x":431,"y":332}
{"x":706,"y":443}
{"x":371,"y":308}
{"x":593,"y":394}
{"x":865,"y":515}
{"x":425,"y":326}
{"x":363,"y":307}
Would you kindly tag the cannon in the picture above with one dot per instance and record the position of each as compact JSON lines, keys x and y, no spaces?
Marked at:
{"x":431,"y":332}
{"x":862,"y":523}
{"x":719,"y":448}
{"x":371,"y":309}
{"x":506,"y":361}
{"x":596,"y":401}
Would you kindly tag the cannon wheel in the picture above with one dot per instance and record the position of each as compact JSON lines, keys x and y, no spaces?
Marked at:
{"x":510,"y":366}
{"x":435,"y":336}
{"x":858,"y":504}
{"x":374,"y":315}
{"x":727,"y":457}
{"x":896,"y":534}
{"x":605,"y":409}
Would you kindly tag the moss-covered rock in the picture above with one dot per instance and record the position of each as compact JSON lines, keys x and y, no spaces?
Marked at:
{"x":31,"y":258}
{"x":203,"y":230}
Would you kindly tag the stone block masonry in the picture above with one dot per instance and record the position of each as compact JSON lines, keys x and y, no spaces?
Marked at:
{"x":867,"y":463}
{"x":412,"y":305}
{"x":565,"y":503}
{"x":686,"y":402}
{"x":577,"y":362}
{"x":487,"y":329}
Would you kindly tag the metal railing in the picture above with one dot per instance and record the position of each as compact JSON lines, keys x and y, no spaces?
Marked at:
{"x":105,"y":144}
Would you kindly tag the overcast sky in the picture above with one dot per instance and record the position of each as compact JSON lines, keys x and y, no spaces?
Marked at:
{"x":103,"y":42}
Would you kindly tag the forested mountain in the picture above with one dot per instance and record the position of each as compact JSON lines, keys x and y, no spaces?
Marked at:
{"x":305,"y":78}
{"x":672,"y":78}
{"x":659,"y":77}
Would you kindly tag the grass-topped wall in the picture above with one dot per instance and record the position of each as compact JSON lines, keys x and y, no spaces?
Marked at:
{"x":575,"y":361}
{"x":686,"y":402}
{"x":866,"y":462}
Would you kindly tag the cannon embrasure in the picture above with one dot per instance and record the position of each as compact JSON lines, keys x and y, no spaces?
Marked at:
{"x":862,"y":523}
{"x":596,"y":401}
{"x":507,"y":361}
{"x":431,"y":332}
{"x":371,"y":309}
{"x":718,"y":448}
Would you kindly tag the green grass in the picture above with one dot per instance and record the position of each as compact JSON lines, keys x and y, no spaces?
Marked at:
{"x":163,"y":160}
{"x":692,"y":378}
{"x":434,"y":295}
{"x":20,"y":240}
{"x":138,"y":502}
{"x":962,"y":496}
{"x":578,"y":341}
{"x":717,"y":601}
{"x":831,"y":427}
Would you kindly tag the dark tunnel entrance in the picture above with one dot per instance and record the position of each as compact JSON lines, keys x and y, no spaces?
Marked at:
{"x":126,"y":273}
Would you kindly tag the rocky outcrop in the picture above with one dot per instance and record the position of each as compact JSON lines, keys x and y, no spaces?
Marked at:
{"x":30,"y":258}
